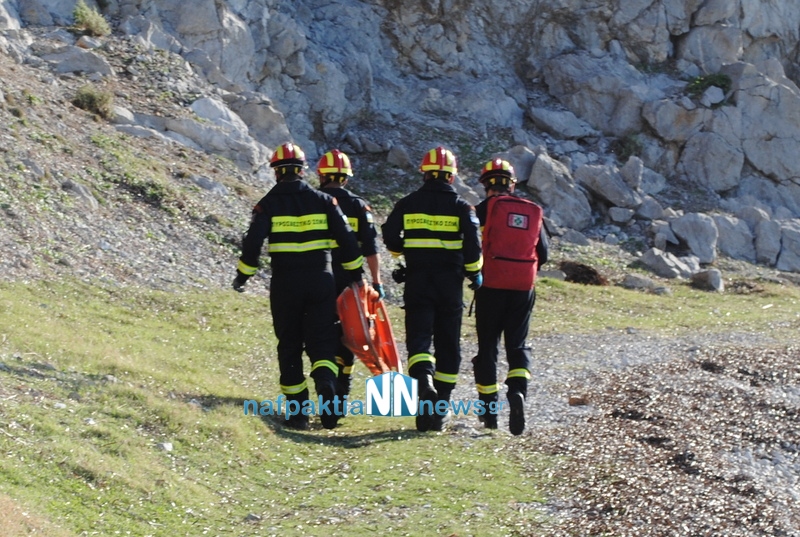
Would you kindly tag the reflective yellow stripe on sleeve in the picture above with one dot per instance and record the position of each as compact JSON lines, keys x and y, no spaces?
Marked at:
{"x":474,"y":267}
{"x":356,"y":263}
{"x":353,"y":223}
{"x":301,"y":246}
{"x":432,"y":243}
{"x":246,"y":269}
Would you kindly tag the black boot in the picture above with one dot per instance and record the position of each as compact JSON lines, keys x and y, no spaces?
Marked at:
{"x":517,"y":392}
{"x":326,"y":389}
{"x":426,"y":392}
{"x":297,"y":421}
{"x":343,"y":378}
{"x":516,"y":421}
{"x":440,"y":421}
{"x":488,"y":418}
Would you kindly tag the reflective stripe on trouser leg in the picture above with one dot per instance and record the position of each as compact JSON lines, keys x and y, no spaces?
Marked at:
{"x":421,"y":364}
{"x":520,"y":308}
{"x":519,"y":373}
{"x":444,"y":384}
{"x":517,"y":381}
{"x":295,"y":389}
{"x":331,"y":366}
{"x":344,"y":367}
{"x":489,"y":315}
{"x":488,"y":390}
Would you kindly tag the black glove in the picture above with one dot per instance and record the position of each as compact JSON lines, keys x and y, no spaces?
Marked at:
{"x":399,"y":274}
{"x":476,"y":281}
{"x":379,"y":289}
{"x":239,"y":281}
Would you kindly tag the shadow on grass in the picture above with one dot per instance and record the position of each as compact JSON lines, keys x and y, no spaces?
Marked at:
{"x":275,"y":423}
{"x":343,"y":440}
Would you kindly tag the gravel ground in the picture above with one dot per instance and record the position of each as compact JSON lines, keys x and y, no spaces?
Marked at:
{"x":664,"y":436}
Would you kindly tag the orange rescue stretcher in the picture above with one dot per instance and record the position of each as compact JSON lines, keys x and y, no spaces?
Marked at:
{"x":366,"y":329}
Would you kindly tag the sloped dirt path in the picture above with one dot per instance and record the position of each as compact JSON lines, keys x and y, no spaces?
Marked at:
{"x":695,"y":435}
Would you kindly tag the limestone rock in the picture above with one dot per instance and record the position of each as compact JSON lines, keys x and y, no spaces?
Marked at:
{"x":564,"y":203}
{"x":73,"y":59}
{"x":637,"y":281}
{"x":712,"y":162}
{"x":562,"y":124}
{"x":607,"y":93}
{"x":650,"y":209}
{"x":607,"y":183}
{"x":673,"y":121}
{"x":767,"y":241}
{"x":700,"y":234}
{"x":711,"y":47}
{"x":709,"y":280}
{"x":664,"y":264}
{"x":735,"y":238}
{"x":789,"y":258}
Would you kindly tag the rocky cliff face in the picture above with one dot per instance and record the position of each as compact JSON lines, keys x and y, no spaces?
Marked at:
{"x":701,"y":93}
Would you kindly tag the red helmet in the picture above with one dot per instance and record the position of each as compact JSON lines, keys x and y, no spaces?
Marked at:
{"x":288,"y":154}
{"x":498,"y":172}
{"x":439,"y":160}
{"x":334,"y":162}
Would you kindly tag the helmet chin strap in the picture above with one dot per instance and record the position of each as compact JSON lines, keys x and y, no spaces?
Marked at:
{"x":282,"y":171}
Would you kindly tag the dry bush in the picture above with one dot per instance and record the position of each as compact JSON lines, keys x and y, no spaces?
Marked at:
{"x":89,"y":20}
{"x":94,"y":100}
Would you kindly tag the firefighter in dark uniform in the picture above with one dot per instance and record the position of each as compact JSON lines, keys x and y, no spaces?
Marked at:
{"x":504,"y":312}
{"x":333,"y":170}
{"x":301,"y":224}
{"x":437,"y":232}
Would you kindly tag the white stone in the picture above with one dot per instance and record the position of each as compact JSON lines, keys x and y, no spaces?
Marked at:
{"x":700,"y":233}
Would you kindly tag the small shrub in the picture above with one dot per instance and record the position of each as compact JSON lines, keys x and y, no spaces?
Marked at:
{"x":701,"y":83}
{"x":91,"y":99}
{"x":626,"y":147}
{"x":89,"y":20}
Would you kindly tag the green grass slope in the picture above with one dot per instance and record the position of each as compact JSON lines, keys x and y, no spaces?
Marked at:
{"x":96,"y":381}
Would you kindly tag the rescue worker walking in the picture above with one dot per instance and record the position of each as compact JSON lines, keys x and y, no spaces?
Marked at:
{"x":504,"y":304}
{"x":437,"y":232}
{"x":301,"y":225}
{"x":333,"y":170}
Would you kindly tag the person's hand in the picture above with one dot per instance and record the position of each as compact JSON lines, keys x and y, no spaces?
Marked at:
{"x":379,"y":289}
{"x":239,"y":281}
{"x":399,"y":274}
{"x":476,"y":281}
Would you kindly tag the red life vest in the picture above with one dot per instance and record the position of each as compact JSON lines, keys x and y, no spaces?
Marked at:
{"x":510,"y":235}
